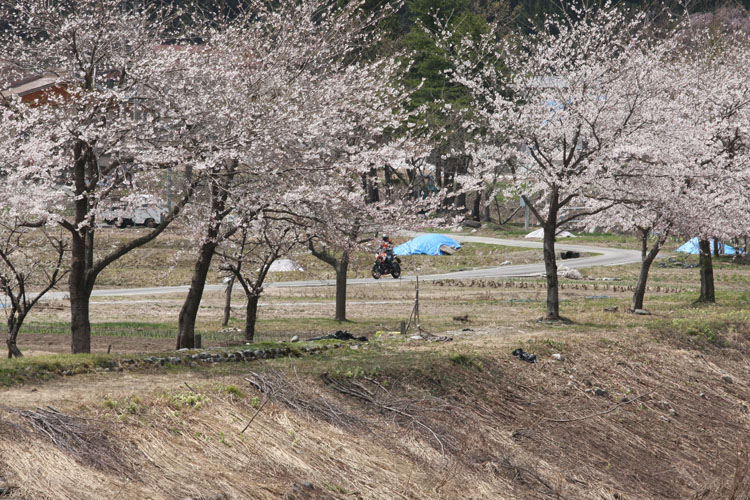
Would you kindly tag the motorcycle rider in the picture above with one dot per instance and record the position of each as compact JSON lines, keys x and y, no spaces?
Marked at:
{"x":386,"y":246}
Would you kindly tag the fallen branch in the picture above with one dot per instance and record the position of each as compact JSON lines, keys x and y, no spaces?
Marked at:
{"x":263,"y":387}
{"x":78,"y":437}
{"x":256,"y":413}
{"x":358,"y":391}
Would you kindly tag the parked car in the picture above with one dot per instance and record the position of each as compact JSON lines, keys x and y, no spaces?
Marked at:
{"x":143,"y":211}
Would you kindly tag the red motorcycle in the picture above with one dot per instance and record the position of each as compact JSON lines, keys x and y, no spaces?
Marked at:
{"x":384,"y":266}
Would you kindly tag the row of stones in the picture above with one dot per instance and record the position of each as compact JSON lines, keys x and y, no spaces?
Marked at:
{"x":216,"y":357}
{"x":243,"y":355}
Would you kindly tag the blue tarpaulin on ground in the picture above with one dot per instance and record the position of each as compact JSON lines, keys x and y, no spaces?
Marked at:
{"x":427,"y":244}
{"x":691,"y":247}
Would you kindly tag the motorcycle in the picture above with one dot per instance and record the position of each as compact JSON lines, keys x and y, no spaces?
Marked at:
{"x":382,"y":266}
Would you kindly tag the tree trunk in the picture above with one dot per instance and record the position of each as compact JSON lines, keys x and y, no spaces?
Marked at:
{"x":487,"y":207}
{"x":80,"y":324}
{"x":15,"y":320}
{"x":647,"y":258}
{"x":462,"y":166}
{"x":189,"y":311}
{"x":707,"y":273}
{"x":251,"y":316}
{"x":411,"y":177}
{"x":550,"y":267}
{"x":219,"y":189}
{"x":460,"y":202}
{"x":476,"y":206}
{"x":342,"y":266}
{"x":228,"y":301}
{"x":13,"y":350}
{"x":370,"y":180}
{"x":80,"y":293}
{"x":448,"y":174}
{"x":388,"y":182}
{"x":449,"y":170}
{"x":81,"y":255}
{"x":499,"y":212}
{"x":550,"y":259}
{"x":12,"y":336}
{"x":717,"y":247}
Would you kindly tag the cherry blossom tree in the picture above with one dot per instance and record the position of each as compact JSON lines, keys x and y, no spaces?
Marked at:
{"x":684,"y":172}
{"x":552,"y":109}
{"x":31,"y":255}
{"x":208,"y":214}
{"x":645,"y":205}
{"x":644,"y":184}
{"x":95,"y":135}
{"x":339,"y":225}
{"x":716,"y":203}
{"x":286,"y":92}
{"x":342,"y":219}
{"x":251,"y":250}
{"x":699,"y":147}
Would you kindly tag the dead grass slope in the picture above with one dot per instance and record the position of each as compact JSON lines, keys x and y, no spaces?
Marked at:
{"x":623,"y":416}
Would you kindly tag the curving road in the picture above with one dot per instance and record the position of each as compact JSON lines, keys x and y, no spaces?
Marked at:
{"x":604,"y":257}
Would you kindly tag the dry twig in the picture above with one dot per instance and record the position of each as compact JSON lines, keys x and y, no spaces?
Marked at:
{"x":601,"y":412}
{"x":358,"y":391}
{"x":76,"y":436}
{"x":279,"y":388}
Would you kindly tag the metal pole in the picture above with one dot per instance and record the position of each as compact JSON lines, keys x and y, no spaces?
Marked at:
{"x":526,"y":225}
{"x":416,"y":308}
{"x":169,"y":189}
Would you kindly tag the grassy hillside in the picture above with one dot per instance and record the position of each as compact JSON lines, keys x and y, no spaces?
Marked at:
{"x":636,"y":407}
{"x":635,"y":414}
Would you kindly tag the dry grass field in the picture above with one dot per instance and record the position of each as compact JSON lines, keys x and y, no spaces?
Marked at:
{"x":167,"y":261}
{"x":637,"y":407}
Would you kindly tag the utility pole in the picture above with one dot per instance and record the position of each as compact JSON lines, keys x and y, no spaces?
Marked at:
{"x":169,"y":189}
{"x":526,"y":211}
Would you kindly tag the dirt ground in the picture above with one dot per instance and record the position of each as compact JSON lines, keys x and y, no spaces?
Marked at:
{"x":148,"y":324}
{"x":285,"y":313}
{"x":636,"y":407}
{"x":39,"y":344}
{"x":636,"y":416}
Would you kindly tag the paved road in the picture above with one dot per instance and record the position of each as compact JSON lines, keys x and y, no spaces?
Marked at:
{"x":604,"y":257}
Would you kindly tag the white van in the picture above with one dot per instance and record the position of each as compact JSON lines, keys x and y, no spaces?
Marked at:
{"x":144,"y":210}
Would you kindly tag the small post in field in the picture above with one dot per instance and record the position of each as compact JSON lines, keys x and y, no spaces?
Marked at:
{"x":415,"y":311}
{"x":198,"y":341}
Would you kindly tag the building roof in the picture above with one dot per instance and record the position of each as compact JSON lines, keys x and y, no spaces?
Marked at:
{"x":31,"y":85}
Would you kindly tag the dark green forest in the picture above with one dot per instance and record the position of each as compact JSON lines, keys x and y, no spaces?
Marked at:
{"x":467,"y":17}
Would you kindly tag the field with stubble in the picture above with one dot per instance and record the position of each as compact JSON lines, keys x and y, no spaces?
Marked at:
{"x":617,"y":406}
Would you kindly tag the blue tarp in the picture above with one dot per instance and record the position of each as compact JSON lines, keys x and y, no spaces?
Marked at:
{"x":691,"y":247}
{"x":427,"y":244}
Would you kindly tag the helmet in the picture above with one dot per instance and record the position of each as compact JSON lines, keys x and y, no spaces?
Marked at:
{"x":385,"y":237}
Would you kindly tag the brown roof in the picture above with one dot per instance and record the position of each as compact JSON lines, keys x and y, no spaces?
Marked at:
{"x":26,"y":88}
